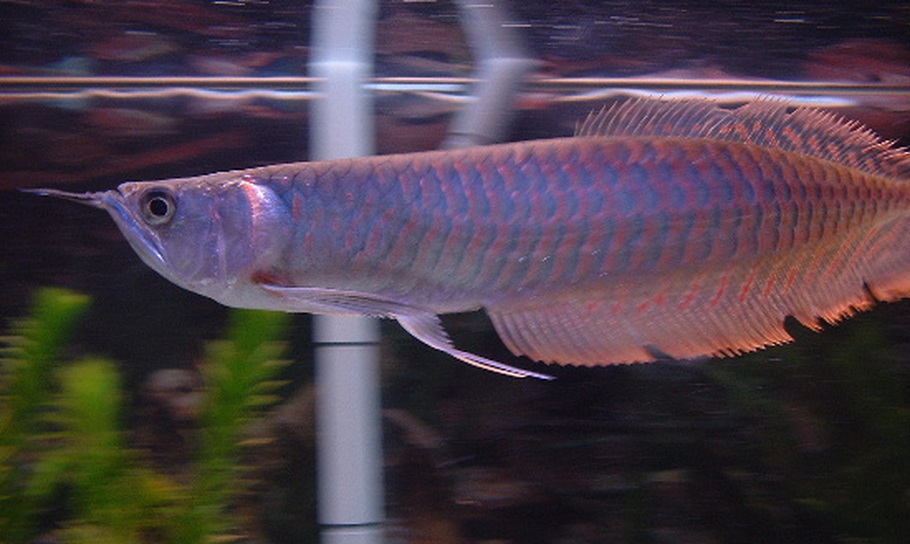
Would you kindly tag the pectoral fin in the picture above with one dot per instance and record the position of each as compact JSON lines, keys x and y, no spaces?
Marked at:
{"x":316,"y":300}
{"x":423,"y":325}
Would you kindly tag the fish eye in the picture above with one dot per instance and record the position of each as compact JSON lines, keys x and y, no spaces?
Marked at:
{"x":158,"y":207}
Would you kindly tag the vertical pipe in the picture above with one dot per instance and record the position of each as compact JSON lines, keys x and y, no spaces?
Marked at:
{"x":349,"y":453}
{"x":502,"y":63}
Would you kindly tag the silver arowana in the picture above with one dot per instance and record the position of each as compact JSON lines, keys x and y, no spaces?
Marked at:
{"x":660,"y":230}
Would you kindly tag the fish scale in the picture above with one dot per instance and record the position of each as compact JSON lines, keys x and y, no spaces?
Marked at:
{"x":661,"y":230}
{"x":455,"y":227}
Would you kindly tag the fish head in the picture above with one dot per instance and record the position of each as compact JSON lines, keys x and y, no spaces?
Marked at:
{"x":208,"y":234}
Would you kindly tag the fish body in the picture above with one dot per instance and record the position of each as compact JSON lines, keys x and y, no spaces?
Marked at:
{"x":660,"y":230}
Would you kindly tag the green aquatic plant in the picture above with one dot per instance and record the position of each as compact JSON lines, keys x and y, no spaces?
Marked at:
{"x":32,"y":350}
{"x":63,"y":447}
{"x":240,"y":380}
{"x":111,"y":496}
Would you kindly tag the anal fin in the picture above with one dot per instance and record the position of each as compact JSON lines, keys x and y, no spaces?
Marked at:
{"x":592,"y":332}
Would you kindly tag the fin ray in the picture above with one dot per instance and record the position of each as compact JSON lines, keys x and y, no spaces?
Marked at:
{"x":706,"y":312}
{"x":767,"y":123}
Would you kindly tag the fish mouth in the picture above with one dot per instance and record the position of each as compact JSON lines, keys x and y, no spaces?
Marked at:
{"x":145,"y":243}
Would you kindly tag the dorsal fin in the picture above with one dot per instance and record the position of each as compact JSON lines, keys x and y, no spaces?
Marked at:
{"x":766,"y":123}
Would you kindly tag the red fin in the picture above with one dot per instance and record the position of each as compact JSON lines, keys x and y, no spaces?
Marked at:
{"x":603,"y":331}
{"x":688,"y":314}
{"x":765,"y":123}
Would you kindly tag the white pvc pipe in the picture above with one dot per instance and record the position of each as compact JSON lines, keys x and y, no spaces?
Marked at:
{"x":349,"y":453}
